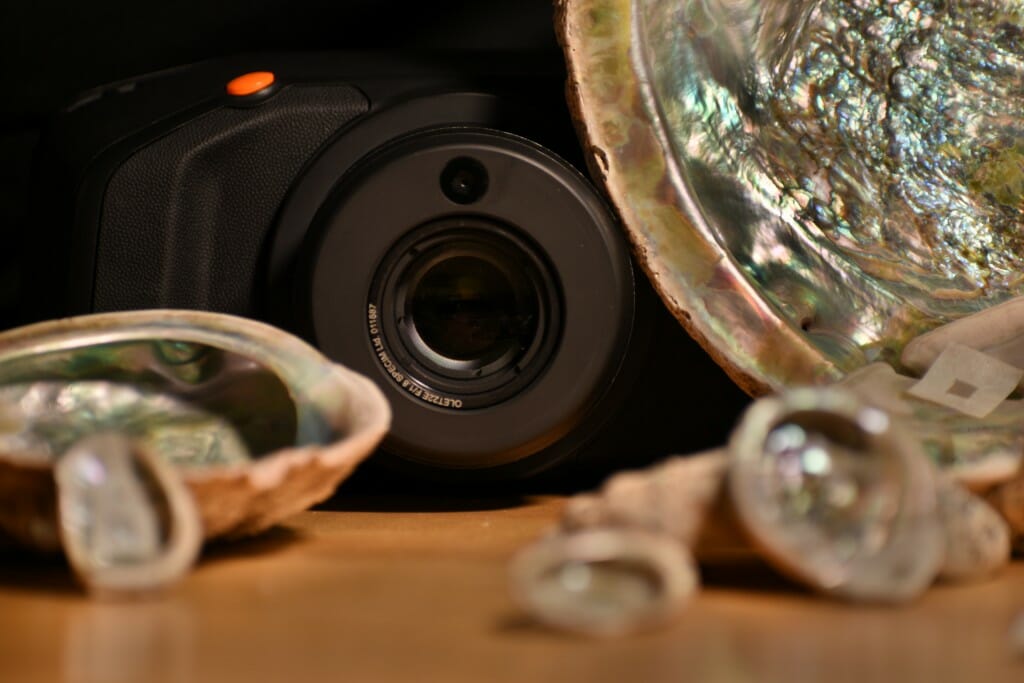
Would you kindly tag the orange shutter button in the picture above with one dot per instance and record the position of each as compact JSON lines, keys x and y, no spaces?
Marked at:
{"x":250,"y":83}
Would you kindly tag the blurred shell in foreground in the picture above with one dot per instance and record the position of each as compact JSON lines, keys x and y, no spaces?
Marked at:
{"x":257,"y":423}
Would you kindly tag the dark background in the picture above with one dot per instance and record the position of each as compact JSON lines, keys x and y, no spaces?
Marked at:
{"x":52,"y":52}
{"x":49,"y":52}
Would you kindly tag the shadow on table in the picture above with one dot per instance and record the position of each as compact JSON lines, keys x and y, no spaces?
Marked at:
{"x":271,"y":541}
{"x":421,"y":503}
{"x":23,"y":570}
{"x":374,"y":489}
{"x":752,"y":575}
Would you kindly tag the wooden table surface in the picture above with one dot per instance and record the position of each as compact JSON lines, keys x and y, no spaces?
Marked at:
{"x":416,"y":590}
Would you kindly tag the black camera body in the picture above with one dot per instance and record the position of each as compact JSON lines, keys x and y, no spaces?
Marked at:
{"x":416,"y":219}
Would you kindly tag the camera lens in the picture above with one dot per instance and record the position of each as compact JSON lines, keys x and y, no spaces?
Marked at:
{"x":468,"y":309}
{"x":494,"y":308}
{"x":464,"y":180}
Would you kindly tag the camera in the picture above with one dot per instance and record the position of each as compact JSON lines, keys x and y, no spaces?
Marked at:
{"x":424,"y":221}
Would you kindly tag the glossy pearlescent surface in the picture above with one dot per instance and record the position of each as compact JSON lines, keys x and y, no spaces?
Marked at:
{"x":810,"y":184}
{"x":44,"y":419}
{"x":110,"y":506}
{"x":831,"y":482}
{"x":604,"y":581}
{"x":838,"y":495}
{"x":202,"y":390}
{"x":128,"y":524}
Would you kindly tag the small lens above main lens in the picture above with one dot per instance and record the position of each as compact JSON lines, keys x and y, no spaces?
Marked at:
{"x":464,"y":180}
{"x":467,"y":308}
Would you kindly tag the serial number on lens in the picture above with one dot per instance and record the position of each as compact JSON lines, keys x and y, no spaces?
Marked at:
{"x":409,"y":385}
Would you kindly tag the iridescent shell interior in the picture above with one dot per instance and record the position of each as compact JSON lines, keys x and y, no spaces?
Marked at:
{"x":198,"y":405}
{"x":810,"y":183}
{"x":257,"y":423}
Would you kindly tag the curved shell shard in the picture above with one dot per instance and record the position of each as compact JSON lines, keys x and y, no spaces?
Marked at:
{"x":978,"y":539}
{"x":128,"y":523}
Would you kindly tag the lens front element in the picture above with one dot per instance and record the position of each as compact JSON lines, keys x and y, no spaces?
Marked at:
{"x":470,"y":311}
{"x":469,"y":308}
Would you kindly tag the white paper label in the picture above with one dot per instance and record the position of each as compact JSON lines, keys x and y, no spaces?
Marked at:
{"x":967,"y":380}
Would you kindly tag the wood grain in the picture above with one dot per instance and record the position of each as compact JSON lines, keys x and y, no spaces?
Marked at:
{"x":414,"y":589}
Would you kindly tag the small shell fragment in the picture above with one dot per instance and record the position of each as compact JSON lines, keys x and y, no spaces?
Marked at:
{"x":604,"y":582}
{"x":128,"y":523}
{"x":672,"y":497}
{"x":977,"y":537}
{"x":1008,"y":499}
{"x":837,"y":495}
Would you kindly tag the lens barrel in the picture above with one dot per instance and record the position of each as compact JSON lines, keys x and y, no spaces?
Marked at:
{"x":468,"y":308}
{"x":494,"y":292}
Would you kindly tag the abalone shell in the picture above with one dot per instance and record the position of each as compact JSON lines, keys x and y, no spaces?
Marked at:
{"x":809,"y":184}
{"x":269,"y":426}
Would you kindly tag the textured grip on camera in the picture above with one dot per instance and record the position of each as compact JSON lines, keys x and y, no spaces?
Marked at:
{"x":184,"y":219}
